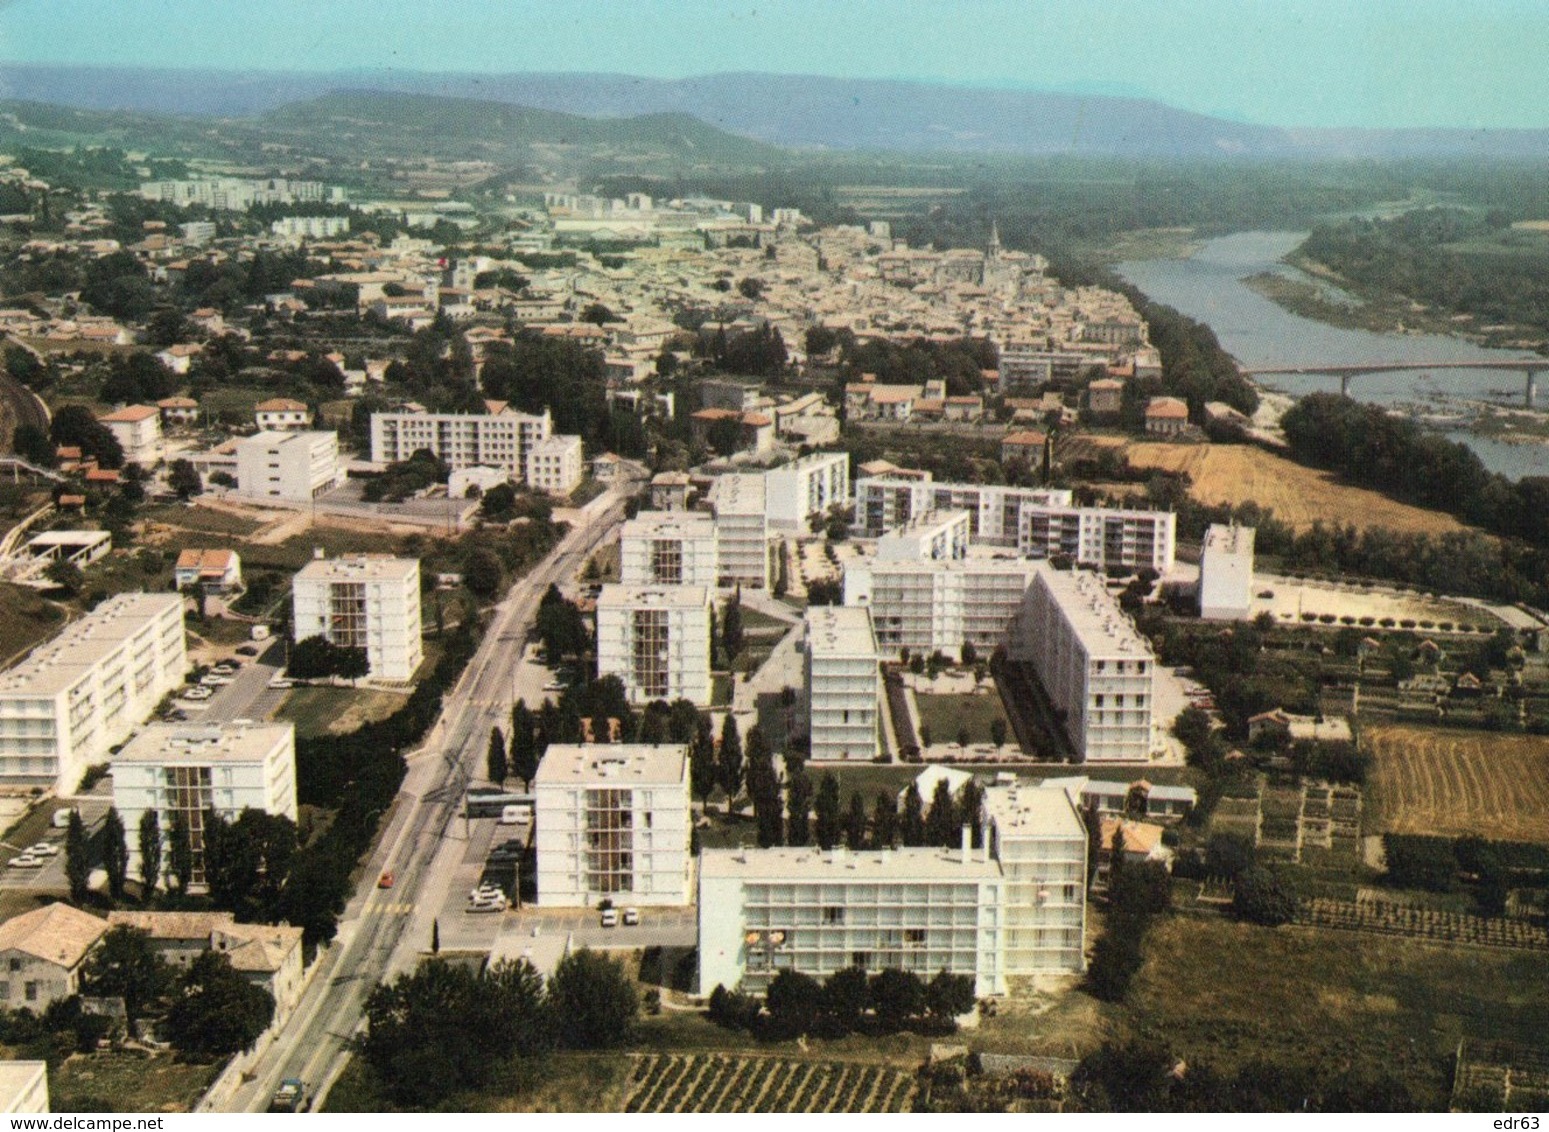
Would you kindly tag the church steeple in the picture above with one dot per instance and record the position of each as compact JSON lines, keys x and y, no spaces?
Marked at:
{"x":993,"y":250}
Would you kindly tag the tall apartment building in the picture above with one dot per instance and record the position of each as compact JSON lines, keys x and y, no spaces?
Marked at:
{"x":657,"y":640}
{"x":931,"y":536}
{"x":807,"y":486}
{"x":294,"y":465}
{"x":669,"y":548}
{"x":737,"y":503}
{"x":1039,"y":839}
{"x":929,"y":606}
{"x":612,"y":822}
{"x":1226,"y":573}
{"x":363,"y":602}
{"x":924,"y":910}
{"x":188,"y":770}
{"x":81,"y":693}
{"x":994,"y":510}
{"x":1096,"y":669}
{"x":501,"y":438}
{"x":1100,"y":537}
{"x":556,"y":464}
{"x":844,"y":684}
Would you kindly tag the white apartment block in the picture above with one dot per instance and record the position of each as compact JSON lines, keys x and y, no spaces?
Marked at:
{"x":1226,"y":573}
{"x":612,"y":822}
{"x":927,"y":607}
{"x":741,"y":530}
{"x":1093,"y":664}
{"x":1039,"y":839}
{"x":931,"y":536}
{"x":494,"y":440}
{"x":81,"y":693}
{"x":191,"y":769}
{"x":297,"y":466}
{"x":657,"y":640}
{"x":844,"y":684}
{"x":1100,"y":537}
{"x":137,"y":428}
{"x":363,"y":602}
{"x":924,"y":910}
{"x":556,"y":464}
{"x":669,"y":548}
{"x":994,"y":510}
{"x":807,"y":486}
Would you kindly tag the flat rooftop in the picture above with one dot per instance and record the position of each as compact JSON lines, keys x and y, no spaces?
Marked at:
{"x":738,"y":495}
{"x":1027,"y":810}
{"x":670,"y":524}
{"x":359,"y":568}
{"x":609,"y":764}
{"x":840,"y":630}
{"x":615,"y":596}
{"x":1222,"y":538}
{"x":58,"y":663}
{"x":929,"y":522}
{"x":837,"y":866}
{"x":207,"y":743}
{"x":1093,"y":614}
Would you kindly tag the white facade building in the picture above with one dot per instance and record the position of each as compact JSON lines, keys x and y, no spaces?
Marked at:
{"x":1093,"y":665}
{"x":556,"y":464}
{"x":298,"y":465}
{"x":499,"y":439}
{"x":363,"y":602}
{"x":741,"y":530}
{"x":1100,"y":537}
{"x":137,"y":428}
{"x":1039,"y":839}
{"x":191,"y":769}
{"x":657,"y":640}
{"x":994,"y":510}
{"x":844,"y":684}
{"x":282,"y":414}
{"x":81,"y":693}
{"x":612,"y":821}
{"x":669,"y":548}
{"x":931,"y":536}
{"x":927,"y":607}
{"x":463,"y":481}
{"x":1226,"y":573}
{"x":807,"y":486}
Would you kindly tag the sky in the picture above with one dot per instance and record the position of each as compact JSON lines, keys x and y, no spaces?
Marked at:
{"x":1372,"y":63}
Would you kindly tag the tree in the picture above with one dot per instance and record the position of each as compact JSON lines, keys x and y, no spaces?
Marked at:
{"x":66,"y":575}
{"x":896,"y":997}
{"x":941,"y":819}
{"x":435,"y":936}
{"x":181,"y":852}
{"x":248,"y":861}
{"x":150,"y":853}
{"x":968,"y":655}
{"x":523,"y":761}
{"x":483,"y":574}
{"x":846,"y":998}
{"x":125,"y":965}
{"x":798,"y":803}
{"x":115,"y":852}
{"x":702,"y":770}
{"x":495,"y":757}
{"x":318,"y":658}
{"x":32,"y":444}
{"x":1264,"y":896}
{"x":731,"y":626}
{"x":884,"y":820}
{"x":729,"y":761}
{"x":77,"y":858}
{"x":593,"y":1000}
{"x":183,"y":478}
{"x":998,"y":731}
{"x":76,"y":426}
{"x":217,"y":1011}
{"x":794,"y":1001}
{"x":1228,"y":855}
{"x":947,"y":995}
{"x":855,"y":822}
{"x":912,"y":825}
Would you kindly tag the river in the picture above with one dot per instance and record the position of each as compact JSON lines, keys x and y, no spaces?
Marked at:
{"x":1209,"y":286}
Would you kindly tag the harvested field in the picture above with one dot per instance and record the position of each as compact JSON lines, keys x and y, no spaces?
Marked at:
{"x":1451,"y":783}
{"x":731,"y":1083}
{"x":1231,"y":473}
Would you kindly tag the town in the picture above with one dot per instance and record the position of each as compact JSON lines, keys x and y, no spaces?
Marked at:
{"x":481,"y":637}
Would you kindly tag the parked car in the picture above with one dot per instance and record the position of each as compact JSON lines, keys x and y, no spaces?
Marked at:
{"x":282,"y":682}
{"x":42,"y":849}
{"x":291,"y":1096}
{"x":497,"y":904}
{"x":609,"y":918}
{"x":224,"y":669}
{"x":554,"y":686}
{"x":385,"y":880}
{"x":631,"y":917}
{"x":198,"y":694}
{"x":515,"y":815}
{"x":26,"y":861}
{"x":214,"y":680}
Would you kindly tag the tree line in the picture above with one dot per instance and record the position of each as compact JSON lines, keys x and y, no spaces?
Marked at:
{"x":849,"y":1001}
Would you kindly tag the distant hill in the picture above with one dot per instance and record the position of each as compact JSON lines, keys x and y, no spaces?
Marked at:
{"x":781,"y":110}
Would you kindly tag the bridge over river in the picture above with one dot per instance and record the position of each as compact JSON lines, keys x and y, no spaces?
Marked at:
{"x":1530,"y":368}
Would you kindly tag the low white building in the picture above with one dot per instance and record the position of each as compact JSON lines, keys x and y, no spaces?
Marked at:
{"x":218,"y":571}
{"x":805,"y":487}
{"x":41,"y":954}
{"x":1097,"y":670}
{"x":369,"y":602}
{"x":612,"y":822}
{"x":741,"y":530}
{"x":932,"y":536}
{"x":81,"y":548}
{"x":297,"y":466}
{"x":463,"y":483}
{"x":80,"y":694}
{"x":1226,"y":573}
{"x":844,"y":684}
{"x":669,"y":548}
{"x":656,"y":639}
{"x":137,"y":428}
{"x":188,"y":770}
{"x":556,"y":464}
{"x":282,"y":414}
{"x":928,"y":607}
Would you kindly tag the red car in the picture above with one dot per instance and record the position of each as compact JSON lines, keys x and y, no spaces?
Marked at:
{"x":385,"y":880}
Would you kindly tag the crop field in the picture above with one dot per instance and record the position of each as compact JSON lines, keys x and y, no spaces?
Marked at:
{"x":1231,"y":473}
{"x":719,"y":1082}
{"x":1453,"y":783}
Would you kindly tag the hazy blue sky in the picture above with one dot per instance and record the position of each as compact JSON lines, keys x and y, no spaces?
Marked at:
{"x":1473,"y":63}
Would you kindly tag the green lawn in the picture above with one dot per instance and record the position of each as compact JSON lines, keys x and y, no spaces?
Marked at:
{"x":326,"y":710}
{"x":25,"y":620}
{"x":127,"y":1082}
{"x":947,"y":715}
{"x":200,"y":520}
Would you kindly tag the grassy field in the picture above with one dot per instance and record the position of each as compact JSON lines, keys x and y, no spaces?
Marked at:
{"x":1448,"y":782}
{"x":127,"y":1082}
{"x":1230,"y":473}
{"x":946,"y":715}
{"x":200,"y":520}
{"x":25,"y":620}
{"x":333,"y":711}
{"x":1227,"y":993}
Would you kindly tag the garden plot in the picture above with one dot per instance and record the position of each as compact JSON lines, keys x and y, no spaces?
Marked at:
{"x":719,"y":1082}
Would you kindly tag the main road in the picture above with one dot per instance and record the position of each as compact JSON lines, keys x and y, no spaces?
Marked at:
{"x":419,"y":845}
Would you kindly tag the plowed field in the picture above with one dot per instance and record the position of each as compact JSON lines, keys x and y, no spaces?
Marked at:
{"x":1458,"y":782}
